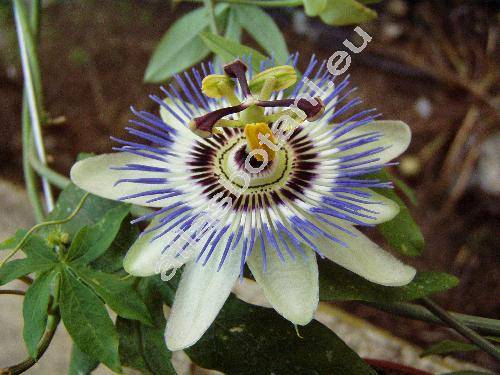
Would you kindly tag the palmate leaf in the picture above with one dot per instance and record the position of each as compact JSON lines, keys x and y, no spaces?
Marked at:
{"x":12,"y":242}
{"x":92,"y":241}
{"x":35,"y":310}
{"x":112,"y":260}
{"x":246,"y":339}
{"x":229,"y":50}
{"x":40,"y":258}
{"x":91,"y":212}
{"x":181,"y":46}
{"x":143,"y":347}
{"x":263,"y":29}
{"x":21,"y":267}
{"x":339,"y":284}
{"x":117,"y":293}
{"x":88,"y":322}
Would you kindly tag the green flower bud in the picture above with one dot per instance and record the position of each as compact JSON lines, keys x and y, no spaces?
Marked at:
{"x":217,"y":85}
{"x":64,"y":238}
{"x":283,"y":77}
{"x":314,"y":7}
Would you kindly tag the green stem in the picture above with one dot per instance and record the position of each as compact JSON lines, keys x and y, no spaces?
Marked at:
{"x":52,"y":176}
{"x":484,"y":325}
{"x":29,"y":175}
{"x":44,"y":224}
{"x":52,"y":323}
{"x":12,"y":292}
{"x":209,"y":6}
{"x":461,"y":328}
{"x":32,"y":84}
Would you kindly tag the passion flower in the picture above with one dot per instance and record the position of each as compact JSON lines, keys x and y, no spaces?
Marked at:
{"x":262,"y":170}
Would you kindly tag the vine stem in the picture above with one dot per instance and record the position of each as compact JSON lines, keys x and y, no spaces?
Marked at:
{"x":52,"y":324}
{"x":27,"y":137}
{"x":416,"y":312}
{"x":52,"y":176}
{"x":12,"y":292}
{"x":44,"y":224}
{"x":209,"y":6}
{"x":26,"y":43}
{"x":458,"y":326}
{"x":29,"y":175}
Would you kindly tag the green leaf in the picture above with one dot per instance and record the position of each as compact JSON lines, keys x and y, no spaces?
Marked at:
{"x":21,"y":267}
{"x":246,"y":339}
{"x":229,"y":50}
{"x":180,"y":47}
{"x":130,"y":347}
{"x":143,"y":347}
{"x":448,"y":346}
{"x":156,"y":354}
{"x":88,"y":322}
{"x":91,"y":242}
{"x":91,"y":212}
{"x":314,"y":7}
{"x":117,"y":293}
{"x":81,"y":363}
{"x":35,"y":311}
{"x":346,"y":12}
{"x":12,"y":242}
{"x":36,"y":248}
{"x":233,"y":28}
{"x":401,"y":233}
{"x":167,"y":289}
{"x":112,"y":260}
{"x":264,"y":30}
{"x":339,"y":284}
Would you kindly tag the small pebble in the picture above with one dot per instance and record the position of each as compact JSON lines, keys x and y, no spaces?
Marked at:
{"x":391,"y":31}
{"x":489,"y":165}
{"x":423,"y":107}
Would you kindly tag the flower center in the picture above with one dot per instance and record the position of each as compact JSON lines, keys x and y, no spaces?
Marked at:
{"x":251,"y":114}
{"x":238,"y":170}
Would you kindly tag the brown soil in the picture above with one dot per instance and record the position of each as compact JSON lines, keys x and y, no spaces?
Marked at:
{"x":93,"y":55}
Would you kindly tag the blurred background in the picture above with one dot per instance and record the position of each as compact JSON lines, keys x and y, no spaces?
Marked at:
{"x":432,"y":64}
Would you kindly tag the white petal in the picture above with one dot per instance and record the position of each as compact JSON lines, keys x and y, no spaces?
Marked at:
{"x":291,"y":287}
{"x":365,"y":258}
{"x":95,"y":176}
{"x":201,"y":294}
{"x":146,"y":257}
{"x":396,"y":136}
{"x":381,"y":210}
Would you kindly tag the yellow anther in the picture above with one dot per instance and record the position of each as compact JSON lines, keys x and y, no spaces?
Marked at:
{"x":283,"y":76}
{"x":266,"y":142}
{"x":217,"y":85}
